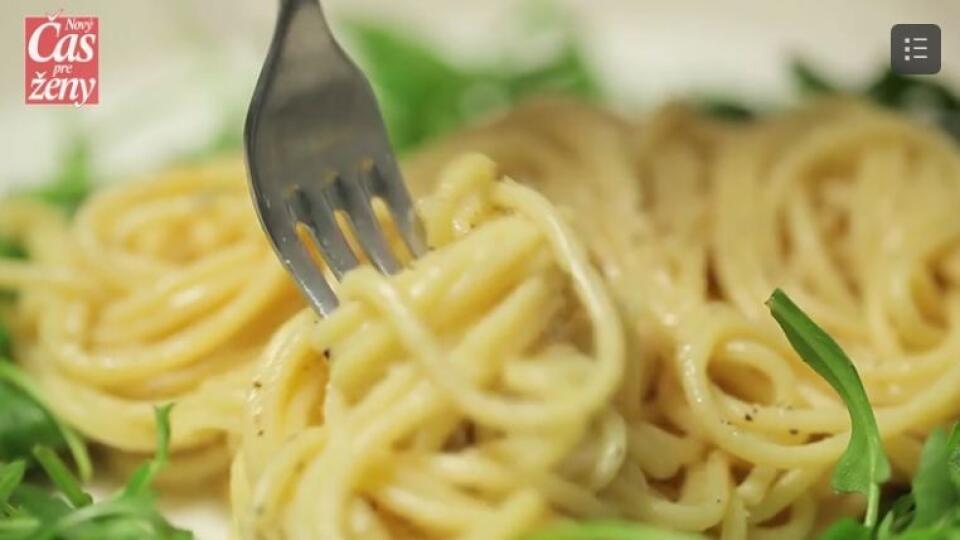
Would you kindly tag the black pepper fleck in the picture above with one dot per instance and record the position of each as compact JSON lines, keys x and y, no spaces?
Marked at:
{"x":794,"y":431}
{"x":748,"y":418}
{"x":326,"y":353}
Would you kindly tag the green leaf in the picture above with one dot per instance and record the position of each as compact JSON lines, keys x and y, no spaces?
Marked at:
{"x":863,"y":465}
{"x":61,"y":476}
{"x":608,"y":530}
{"x":846,"y":529}
{"x":933,"y":492}
{"x":25,"y":422}
{"x":18,"y":528}
{"x":808,"y":80}
{"x":129,"y":528}
{"x":725,"y":109}
{"x":33,"y":512}
{"x":417,"y":90}
{"x":921,"y":97}
{"x":898,"y":518}
{"x":10,"y":249}
{"x":121,"y":518}
{"x":139,"y":482}
{"x":924,"y":98}
{"x":568,"y":73}
{"x":953,"y":457}
{"x":128,"y":515}
{"x":11,"y":474}
{"x":899,"y":91}
{"x":6,"y":344}
{"x":73,"y":183}
{"x":931,"y":534}
{"x":423,"y":96}
{"x":37,"y":501}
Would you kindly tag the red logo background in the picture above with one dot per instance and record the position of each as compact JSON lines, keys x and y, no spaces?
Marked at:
{"x":62,"y":60}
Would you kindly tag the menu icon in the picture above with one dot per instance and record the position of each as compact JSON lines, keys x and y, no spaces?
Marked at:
{"x":915,"y":49}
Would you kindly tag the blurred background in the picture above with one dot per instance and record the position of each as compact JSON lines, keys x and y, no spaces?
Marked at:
{"x":176,"y":75}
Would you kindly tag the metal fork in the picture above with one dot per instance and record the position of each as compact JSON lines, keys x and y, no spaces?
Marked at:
{"x":315,"y":145}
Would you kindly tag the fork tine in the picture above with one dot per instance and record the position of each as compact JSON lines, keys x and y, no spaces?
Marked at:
{"x":295,"y":256}
{"x":313,"y":110}
{"x":387,"y":183}
{"x":318,"y":291}
{"x":357,"y":200}
{"x":319,"y":220}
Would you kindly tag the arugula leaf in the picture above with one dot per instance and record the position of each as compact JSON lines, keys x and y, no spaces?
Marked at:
{"x":863,"y":465}
{"x":608,"y":530}
{"x":6,"y":344}
{"x":73,"y":183}
{"x":725,"y":108}
{"x":25,"y":422}
{"x":808,"y":80}
{"x":899,"y":91}
{"x":422,"y":95}
{"x":924,"y":98}
{"x":921,"y":97}
{"x":11,"y":474}
{"x":31,"y":512}
{"x":131,"y":514}
{"x":140,"y":480}
{"x":953,"y":457}
{"x":846,"y":529}
{"x":418,"y":92}
{"x":567,"y":73}
{"x":931,"y":511}
{"x":61,"y":476}
{"x":38,"y":502}
{"x":898,"y":518}
{"x":11,"y":250}
{"x":934,"y":493}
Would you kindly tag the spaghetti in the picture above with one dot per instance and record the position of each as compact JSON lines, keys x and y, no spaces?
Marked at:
{"x":159,"y":290}
{"x":603,"y":354}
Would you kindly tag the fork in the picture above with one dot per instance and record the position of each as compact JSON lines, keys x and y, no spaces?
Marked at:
{"x":316,"y":146}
